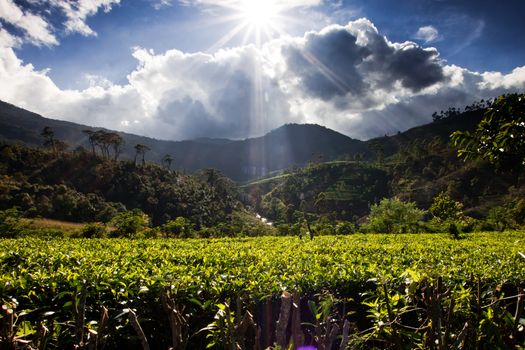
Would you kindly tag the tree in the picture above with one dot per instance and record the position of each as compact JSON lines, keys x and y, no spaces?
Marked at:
{"x":358,"y":157}
{"x":211,"y":176}
{"x":105,"y":140}
{"x":116,"y":142}
{"x":11,"y":224}
{"x":129,"y":224}
{"x":141,"y":149}
{"x":500,"y":135}
{"x":167,"y":160}
{"x":57,"y":146}
{"x":91,"y":138}
{"x":378,"y":147}
{"x":180,"y":227}
{"x":392,"y":215}
{"x":444,"y":208}
{"x":500,"y":218}
{"x":49,"y":138}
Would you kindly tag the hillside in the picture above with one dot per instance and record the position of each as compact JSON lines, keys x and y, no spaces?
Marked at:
{"x":241,"y":160}
{"x":415,"y":165}
{"x":437,"y":130}
{"x":80,"y":187}
{"x":290,"y":145}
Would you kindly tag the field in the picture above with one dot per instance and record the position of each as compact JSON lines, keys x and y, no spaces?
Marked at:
{"x":54,"y":224}
{"x":369,"y":291}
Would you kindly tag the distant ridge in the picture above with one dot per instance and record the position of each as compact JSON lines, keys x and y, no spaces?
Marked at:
{"x":242,"y":160}
{"x":289,"y":145}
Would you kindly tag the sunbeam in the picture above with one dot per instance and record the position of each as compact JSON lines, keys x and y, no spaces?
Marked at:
{"x":326,"y":72}
{"x":257,"y":21}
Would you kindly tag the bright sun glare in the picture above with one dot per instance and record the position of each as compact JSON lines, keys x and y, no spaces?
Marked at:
{"x":256,"y":20}
{"x":258,"y":13}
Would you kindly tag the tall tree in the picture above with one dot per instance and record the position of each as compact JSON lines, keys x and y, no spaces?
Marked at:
{"x":103,"y":140}
{"x":49,"y":138}
{"x":141,"y":149}
{"x":167,"y":160}
{"x":116,"y":142}
{"x":91,"y":139}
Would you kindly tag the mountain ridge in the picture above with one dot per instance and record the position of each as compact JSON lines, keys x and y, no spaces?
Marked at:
{"x":281,"y":148}
{"x":242,"y":160}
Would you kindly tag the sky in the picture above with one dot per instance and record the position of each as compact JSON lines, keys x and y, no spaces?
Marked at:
{"x":184,"y":69}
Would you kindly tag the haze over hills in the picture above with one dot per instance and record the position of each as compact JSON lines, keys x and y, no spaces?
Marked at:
{"x":241,"y":160}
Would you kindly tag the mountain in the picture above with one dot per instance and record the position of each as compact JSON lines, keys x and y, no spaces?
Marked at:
{"x":343,"y":176}
{"x":241,"y":160}
{"x":287,"y":146}
{"x":438,"y":130}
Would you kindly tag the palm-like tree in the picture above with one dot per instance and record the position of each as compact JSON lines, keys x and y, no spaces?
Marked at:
{"x":167,"y":160}
{"x":141,"y":149}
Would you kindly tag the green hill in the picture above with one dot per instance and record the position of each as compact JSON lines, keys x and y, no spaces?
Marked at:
{"x":415,"y":166}
{"x":80,"y":187}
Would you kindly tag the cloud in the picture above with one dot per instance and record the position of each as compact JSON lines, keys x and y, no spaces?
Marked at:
{"x":428,"y":34}
{"x":350,"y":78}
{"x":159,"y":4}
{"x":226,"y":94}
{"x":8,"y":40}
{"x":495,"y":80}
{"x":78,"y":11}
{"x":325,"y":63}
{"x":355,"y":59}
{"x":36,"y":29}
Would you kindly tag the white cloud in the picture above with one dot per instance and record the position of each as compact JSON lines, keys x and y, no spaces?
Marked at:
{"x":78,"y":11}
{"x":428,"y":34}
{"x":493,"y":80}
{"x":349,"y":78}
{"x":157,"y":5}
{"x":26,"y":87}
{"x":37,"y":29}
{"x":8,"y":40}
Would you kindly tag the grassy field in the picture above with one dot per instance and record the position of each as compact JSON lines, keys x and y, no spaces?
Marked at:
{"x":56,"y":277}
{"x":54,"y":224}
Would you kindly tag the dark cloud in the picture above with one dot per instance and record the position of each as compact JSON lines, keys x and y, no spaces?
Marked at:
{"x":327,"y":63}
{"x":234,"y":104}
{"x":335,"y":62}
{"x":187,"y":119}
{"x":416,"y":68}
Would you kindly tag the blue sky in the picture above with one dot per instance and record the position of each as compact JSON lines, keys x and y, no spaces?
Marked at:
{"x":181,"y":69}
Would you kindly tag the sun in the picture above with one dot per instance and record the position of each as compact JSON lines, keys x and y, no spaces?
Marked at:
{"x":259,"y":13}
{"x":255,"y":21}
